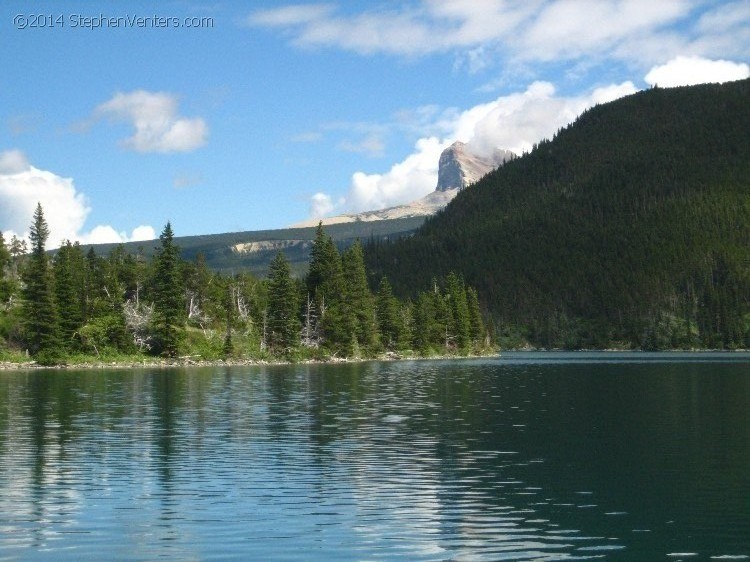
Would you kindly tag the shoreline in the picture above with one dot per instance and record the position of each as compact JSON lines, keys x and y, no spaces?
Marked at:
{"x":183,"y":362}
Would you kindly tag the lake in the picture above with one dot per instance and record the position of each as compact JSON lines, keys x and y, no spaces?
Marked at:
{"x":530,"y":456}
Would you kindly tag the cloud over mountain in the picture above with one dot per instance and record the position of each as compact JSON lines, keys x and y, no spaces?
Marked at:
{"x":514,"y":122}
{"x":688,"y":71}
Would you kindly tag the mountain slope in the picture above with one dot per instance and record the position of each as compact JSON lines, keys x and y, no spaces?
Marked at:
{"x":631,"y":226}
{"x":253,"y":250}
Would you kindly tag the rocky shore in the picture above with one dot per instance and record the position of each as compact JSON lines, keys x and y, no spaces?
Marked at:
{"x":154,"y":362}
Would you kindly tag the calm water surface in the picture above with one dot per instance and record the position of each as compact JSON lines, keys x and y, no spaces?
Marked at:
{"x":526,"y":457}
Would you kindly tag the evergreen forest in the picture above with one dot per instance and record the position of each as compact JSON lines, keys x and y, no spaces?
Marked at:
{"x":629,"y":229}
{"x":76,"y":306}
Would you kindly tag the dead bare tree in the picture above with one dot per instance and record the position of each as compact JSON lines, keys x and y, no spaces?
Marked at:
{"x":138,"y":320}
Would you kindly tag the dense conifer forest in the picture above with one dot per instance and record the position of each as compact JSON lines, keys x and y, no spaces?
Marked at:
{"x":630,"y":228}
{"x":75,"y":306}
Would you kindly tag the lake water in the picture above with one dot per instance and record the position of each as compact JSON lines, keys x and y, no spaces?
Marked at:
{"x":529,"y":456}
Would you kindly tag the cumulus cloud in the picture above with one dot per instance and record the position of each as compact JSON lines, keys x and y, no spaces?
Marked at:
{"x":22,"y":186}
{"x":157,"y":123}
{"x":688,"y":71}
{"x":13,"y":162}
{"x":514,"y":122}
{"x":320,"y":205}
{"x":105,"y":234}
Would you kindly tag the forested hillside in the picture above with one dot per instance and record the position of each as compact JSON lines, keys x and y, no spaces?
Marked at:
{"x":631,"y":227}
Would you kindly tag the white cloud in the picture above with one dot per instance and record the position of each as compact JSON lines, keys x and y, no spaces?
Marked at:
{"x":482,"y":31}
{"x":566,"y":29}
{"x":513,"y":122}
{"x":158,"y":126}
{"x":410,"y":179}
{"x":688,"y":71}
{"x":143,"y":232}
{"x":13,"y":162}
{"x":587,"y":35}
{"x":22,"y":186}
{"x":320,"y":205}
{"x":105,"y":234}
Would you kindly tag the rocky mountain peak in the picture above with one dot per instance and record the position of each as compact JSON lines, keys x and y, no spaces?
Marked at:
{"x":459,"y":166}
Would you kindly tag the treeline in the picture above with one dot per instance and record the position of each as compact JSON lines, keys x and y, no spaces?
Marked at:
{"x":78,"y":304}
{"x":630,"y":228}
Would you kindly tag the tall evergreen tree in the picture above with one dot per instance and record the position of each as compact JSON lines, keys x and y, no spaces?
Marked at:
{"x":325,"y":284}
{"x":94,"y":283}
{"x":67,"y":293}
{"x":358,"y":303}
{"x":406,"y":325}
{"x":318,"y":266}
{"x":440,"y":333}
{"x":283,"y":324}
{"x":459,"y":324}
{"x":168,"y":295}
{"x":39,"y":312}
{"x":476,"y":324}
{"x":424,"y":322}
{"x":388,"y":314}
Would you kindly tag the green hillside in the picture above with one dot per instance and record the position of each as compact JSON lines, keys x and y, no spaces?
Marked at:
{"x":631,"y":227}
{"x":220,"y":255}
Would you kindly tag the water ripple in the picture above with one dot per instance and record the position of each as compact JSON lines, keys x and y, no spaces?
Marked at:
{"x":414,"y":461}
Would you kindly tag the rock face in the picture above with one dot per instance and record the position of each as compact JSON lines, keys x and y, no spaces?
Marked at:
{"x":458,"y":167}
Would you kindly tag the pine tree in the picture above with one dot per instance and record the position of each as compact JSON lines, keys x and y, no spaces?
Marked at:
{"x":359,"y":308}
{"x":406,"y":325}
{"x":388,"y":315}
{"x":325,"y":284}
{"x":424,"y":322}
{"x":440,"y":334}
{"x":39,"y":312}
{"x":168,"y":295}
{"x":458,"y":325}
{"x":317,"y":271}
{"x":119,"y":273}
{"x":476,"y":324}
{"x":94,"y":283}
{"x":67,"y":294}
{"x":283,"y":324}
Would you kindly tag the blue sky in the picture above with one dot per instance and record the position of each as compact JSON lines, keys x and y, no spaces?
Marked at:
{"x":118,"y":117}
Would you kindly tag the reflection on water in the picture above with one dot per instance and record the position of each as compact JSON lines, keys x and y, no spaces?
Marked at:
{"x":550,"y":457}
